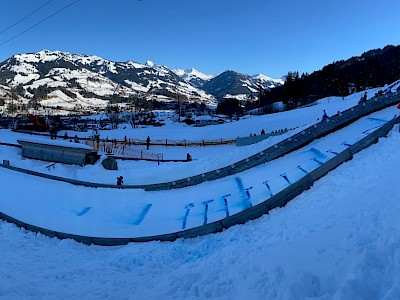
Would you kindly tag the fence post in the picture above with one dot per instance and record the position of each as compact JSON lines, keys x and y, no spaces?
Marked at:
{"x":185,"y":143}
{"x":166,"y":142}
{"x":203,"y":143}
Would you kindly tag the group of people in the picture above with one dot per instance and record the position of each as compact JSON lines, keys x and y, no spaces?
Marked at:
{"x":363,"y":98}
{"x":76,"y":138}
{"x":255,"y":134}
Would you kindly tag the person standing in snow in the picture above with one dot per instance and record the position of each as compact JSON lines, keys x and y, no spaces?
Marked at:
{"x":120,"y":180}
{"x":148,"y":142}
{"x":324,"y":116}
{"x":188,"y":157}
{"x":53,"y":133}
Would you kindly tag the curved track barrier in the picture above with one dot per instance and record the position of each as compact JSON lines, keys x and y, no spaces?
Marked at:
{"x":282,"y":148}
{"x":10,"y":145}
{"x":278,"y":200}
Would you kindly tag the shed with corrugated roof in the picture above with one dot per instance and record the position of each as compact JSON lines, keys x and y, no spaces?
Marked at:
{"x":58,"y":151}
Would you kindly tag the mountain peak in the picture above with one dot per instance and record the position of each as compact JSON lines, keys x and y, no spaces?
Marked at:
{"x":150,"y":64}
{"x":192,"y":72}
{"x":263,"y":78}
{"x":233,"y":84}
{"x":192,"y":76}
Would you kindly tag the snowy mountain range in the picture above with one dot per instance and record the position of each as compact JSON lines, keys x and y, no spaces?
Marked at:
{"x":61,"y":79}
{"x":231,"y":84}
{"x":194,"y":77}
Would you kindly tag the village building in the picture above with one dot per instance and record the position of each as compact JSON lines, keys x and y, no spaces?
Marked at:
{"x":58,"y":151}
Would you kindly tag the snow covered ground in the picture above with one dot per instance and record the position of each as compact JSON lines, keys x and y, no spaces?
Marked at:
{"x":231,"y":130}
{"x":136,"y":213}
{"x":338,"y":240}
{"x":205,"y":158}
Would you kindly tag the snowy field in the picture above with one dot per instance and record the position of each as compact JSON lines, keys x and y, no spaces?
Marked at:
{"x":339,"y":240}
{"x":205,"y":158}
{"x":102,"y":212}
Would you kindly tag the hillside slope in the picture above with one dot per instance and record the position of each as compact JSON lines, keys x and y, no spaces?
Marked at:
{"x":65,"y":77}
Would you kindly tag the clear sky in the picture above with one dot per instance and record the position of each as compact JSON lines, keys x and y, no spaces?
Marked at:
{"x":249,"y":36}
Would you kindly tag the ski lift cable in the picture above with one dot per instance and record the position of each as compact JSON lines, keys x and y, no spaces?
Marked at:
{"x":26,"y":17}
{"x":40,"y":22}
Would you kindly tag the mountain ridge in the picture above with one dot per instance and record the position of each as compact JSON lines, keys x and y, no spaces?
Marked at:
{"x":58,"y":78}
{"x":37,"y":75}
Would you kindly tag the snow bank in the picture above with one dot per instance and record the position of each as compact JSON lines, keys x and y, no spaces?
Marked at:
{"x":335,"y":241}
{"x":59,"y":143}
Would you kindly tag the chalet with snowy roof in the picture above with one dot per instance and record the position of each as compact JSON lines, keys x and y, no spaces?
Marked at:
{"x":58,"y":151}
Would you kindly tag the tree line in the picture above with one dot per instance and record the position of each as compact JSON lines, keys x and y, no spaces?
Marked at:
{"x":372,"y":69}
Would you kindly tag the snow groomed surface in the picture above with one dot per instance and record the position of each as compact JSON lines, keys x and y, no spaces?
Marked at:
{"x":249,"y":209}
{"x":333,"y":123}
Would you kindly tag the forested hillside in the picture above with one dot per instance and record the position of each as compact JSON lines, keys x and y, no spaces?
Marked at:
{"x":371,"y":69}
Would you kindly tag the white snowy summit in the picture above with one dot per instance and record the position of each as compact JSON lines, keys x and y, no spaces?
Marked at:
{"x":192,"y":76}
{"x":267,"y":81}
{"x":149,"y":63}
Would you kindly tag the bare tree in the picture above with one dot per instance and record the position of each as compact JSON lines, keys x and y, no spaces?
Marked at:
{"x":113,"y":116}
{"x":131,"y":118}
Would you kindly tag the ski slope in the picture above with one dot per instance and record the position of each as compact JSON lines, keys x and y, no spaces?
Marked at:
{"x":113,"y":213}
{"x":338,"y":240}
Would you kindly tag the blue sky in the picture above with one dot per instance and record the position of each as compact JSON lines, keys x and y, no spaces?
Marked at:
{"x":249,"y":36}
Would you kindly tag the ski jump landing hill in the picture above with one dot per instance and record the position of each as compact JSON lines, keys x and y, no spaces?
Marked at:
{"x":249,"y":211}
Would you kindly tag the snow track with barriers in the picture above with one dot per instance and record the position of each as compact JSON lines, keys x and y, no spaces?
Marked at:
{"x":109,"y":217}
